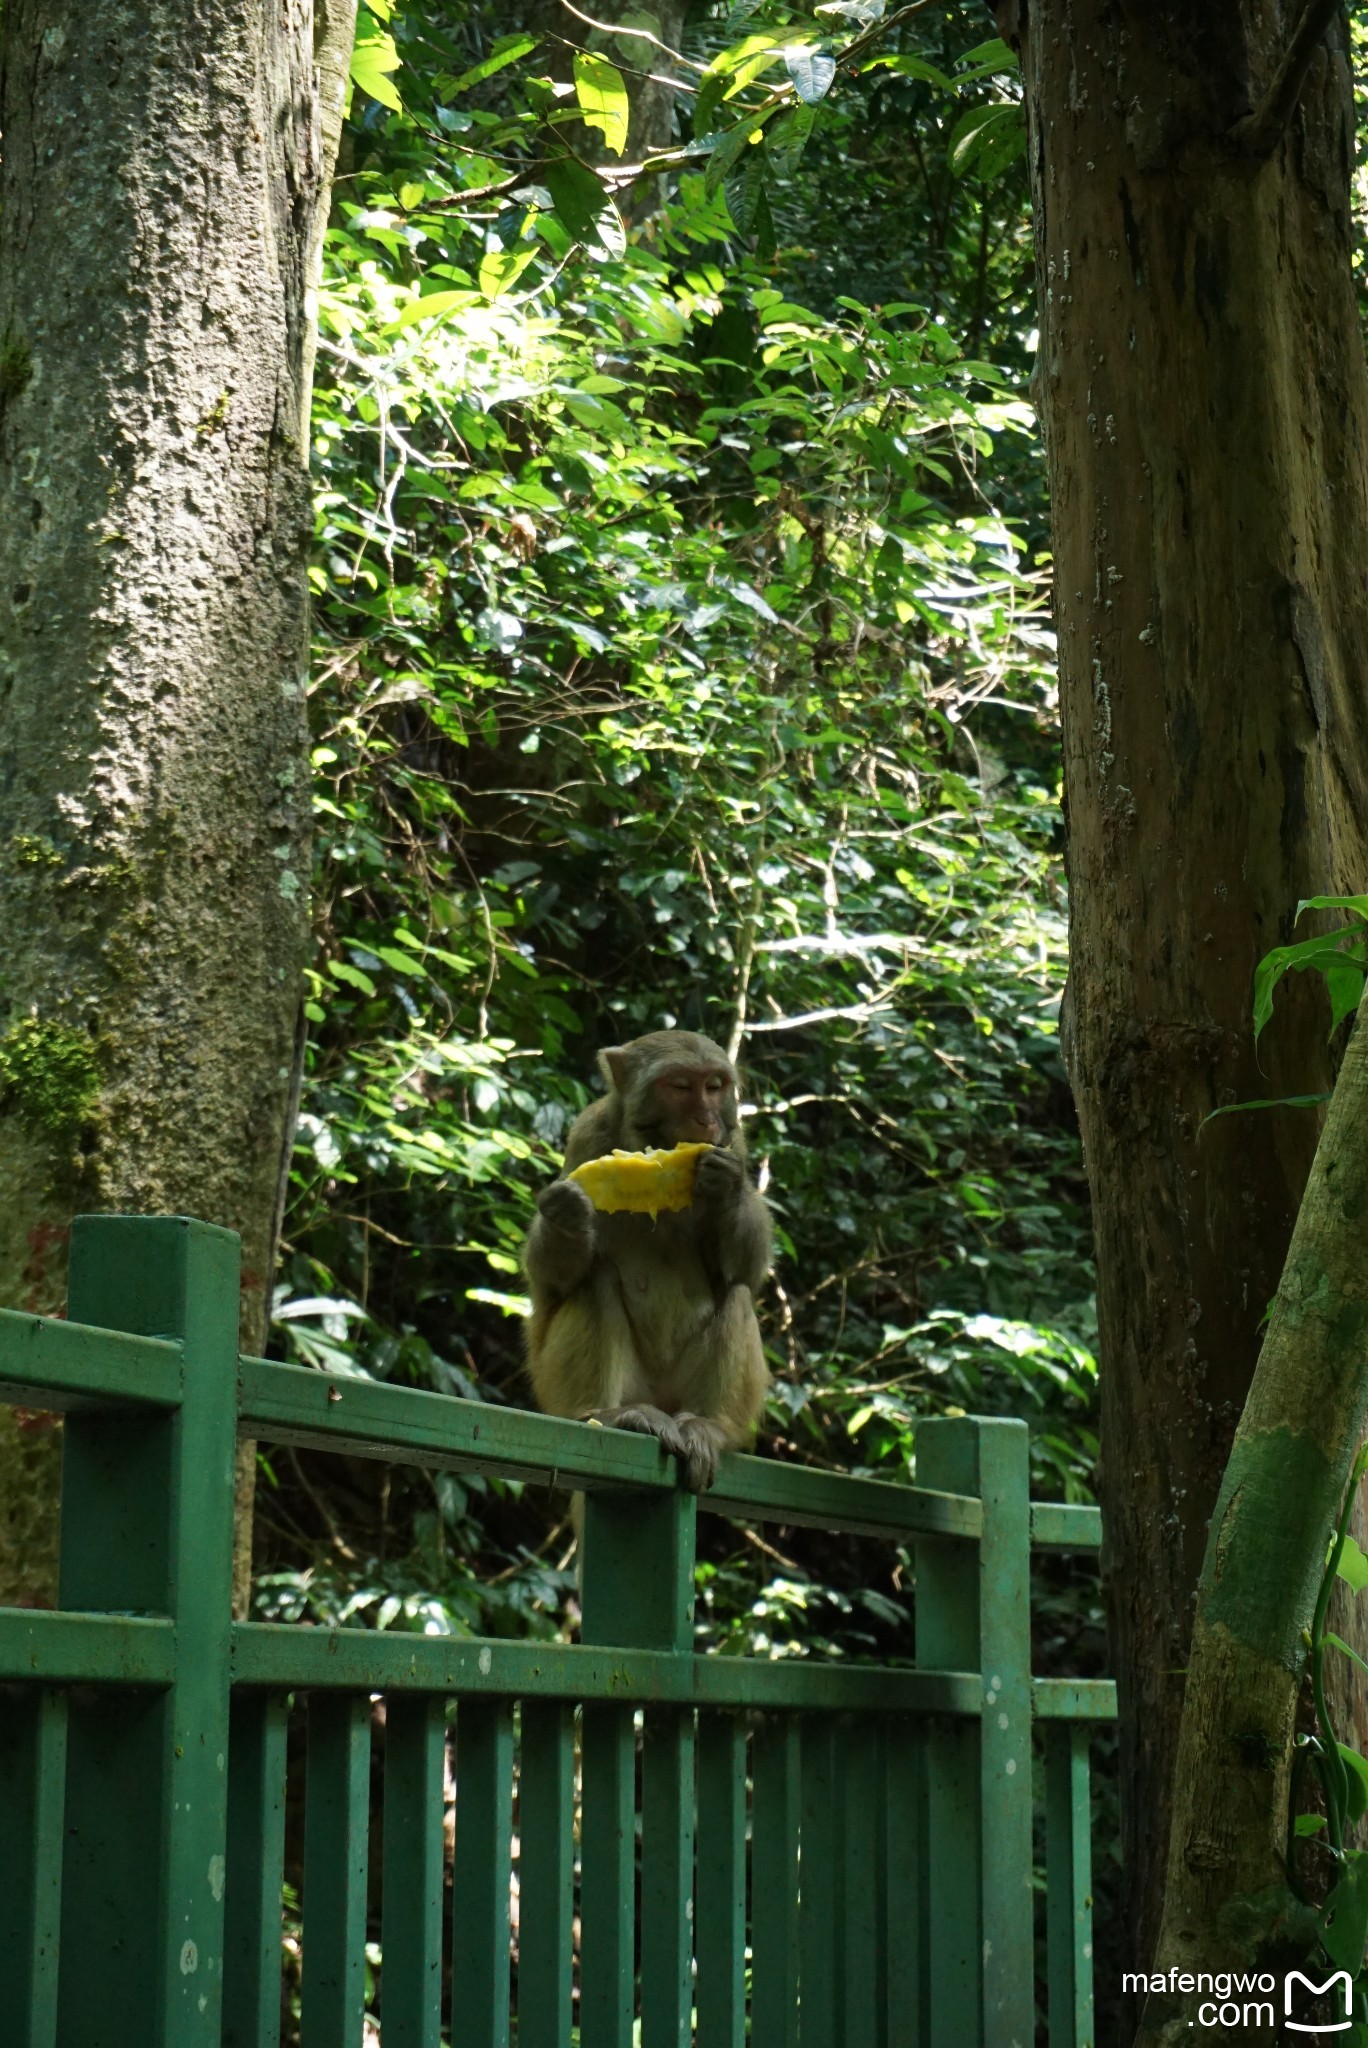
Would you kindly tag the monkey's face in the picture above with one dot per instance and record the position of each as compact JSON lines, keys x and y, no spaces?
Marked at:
{"x":693,"y":1105}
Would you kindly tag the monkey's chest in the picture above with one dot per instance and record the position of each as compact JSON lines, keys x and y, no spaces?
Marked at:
{"x":666,"y":1295}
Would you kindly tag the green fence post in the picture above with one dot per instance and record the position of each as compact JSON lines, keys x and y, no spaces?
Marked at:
{"x":775,"y":1944}
{"x":411,"y":1930}
{"x":1068,"y":1880}
{"x":973,"y":1613}
{"x":720,"y":1904}
{"x":252,"y":1928}
{"x":33,"y":1729}
{"x":147,"y":1528}
{"x":481,"y":1878}
{"x":546,"y":1873}
{"x":638,"y":1582}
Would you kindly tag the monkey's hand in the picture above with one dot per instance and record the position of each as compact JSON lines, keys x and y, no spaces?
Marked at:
{"x":733,"y":1220}
{"x":646,"y":1421}
{"x":702,"y":1445}
{"x":560,"y":1247}
{"x":690,"y":1438}
{"x":719,"y":1179}
{"x":566,"y":1207}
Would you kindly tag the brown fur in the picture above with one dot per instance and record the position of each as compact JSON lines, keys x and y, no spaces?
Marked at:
{"x":651,"y":1325}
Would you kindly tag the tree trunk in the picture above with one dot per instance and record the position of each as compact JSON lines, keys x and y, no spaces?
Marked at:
{"x":1265,"y":1558}
{"x":165,"y":172}
{"x":1202,"y":389}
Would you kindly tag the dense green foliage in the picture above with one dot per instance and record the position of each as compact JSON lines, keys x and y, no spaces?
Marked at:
{"x":682,"y":657}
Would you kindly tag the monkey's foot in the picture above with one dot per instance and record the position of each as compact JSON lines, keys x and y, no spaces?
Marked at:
{"x":687,"y":1438}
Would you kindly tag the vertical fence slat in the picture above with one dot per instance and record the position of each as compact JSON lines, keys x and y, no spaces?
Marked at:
{"x":637,"y":1560}
{"x":948,"y":1640}
{"x":1004,"y":1608}
{"x":256,"y":1860}
{"x":904,"y":1874}
{"x":411,"y":1923}
{"x":820,"y":1887}
{"x":857,"y":1793}
{"x":33,"y":1742}
{"x":546,"y":1873}
{"x":607,"y":1856}
{"x":720,"y":1908}
{"x":1068,"y":1878}
{"x":336,"y":1818}
{"x":774,"y":1882}
{"x":484,"y":1851}
{"x":147,"y":1527}
{"x":667,"y":1855}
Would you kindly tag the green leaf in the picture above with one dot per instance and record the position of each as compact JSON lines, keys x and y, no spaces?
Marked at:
{"x":786,"y":138}
{"x":434,"y":303}
{"x":1344,"y":978}
{"x":995,"y":55}
{"x":728,"y":62}
{"x":729,"y":149}
{"x":911,"y":67}
{"x":979,"y":138}
{"x":1358,"y":904}
{"x":766,"y":240}
{"x":1267,"y":1102}
{"x":1357,"y":1769}
{"x":812,"y":71}
{"x":1339,"y":1643}
{"x":603,"y":98}
{"x":501,"y":270}
{"x":709,"y":99}
{"x":506,"y":50}
{"x":374,"y":57}
{"x":341,"y":970}
{"x":1353,"y":1566}
{"x":1308,"y":1824}
{"x":1326,"y":954}
{"x":1344,"y":1917}
{"x":579,"y":196}
{"x":745,"y":192}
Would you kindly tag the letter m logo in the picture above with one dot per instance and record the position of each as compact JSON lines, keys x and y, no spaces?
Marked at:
{"x":1318,"y":1991}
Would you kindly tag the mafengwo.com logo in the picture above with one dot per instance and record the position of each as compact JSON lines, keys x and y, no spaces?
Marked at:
{"x":1249,"y":1998}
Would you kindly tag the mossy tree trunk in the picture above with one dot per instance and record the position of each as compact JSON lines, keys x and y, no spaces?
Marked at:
{"x":1226,"y":1893}
{"x":163,"y":192}
{"x":1202,"y":388}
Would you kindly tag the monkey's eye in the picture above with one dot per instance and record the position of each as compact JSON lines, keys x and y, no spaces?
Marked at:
{"x":715,"y":1085}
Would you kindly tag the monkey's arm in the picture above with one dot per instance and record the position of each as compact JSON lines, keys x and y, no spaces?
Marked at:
{"x":734,"y":1220}
{"x":560,"y":1246}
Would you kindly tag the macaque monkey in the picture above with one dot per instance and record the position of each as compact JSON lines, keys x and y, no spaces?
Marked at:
{"x":649,"y":1324}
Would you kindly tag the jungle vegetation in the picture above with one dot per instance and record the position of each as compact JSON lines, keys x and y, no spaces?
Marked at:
{"x":694,"y":641}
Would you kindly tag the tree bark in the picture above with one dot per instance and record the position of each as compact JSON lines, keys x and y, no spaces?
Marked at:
{"x":164,"y":180}
{"x":1202,"y":390}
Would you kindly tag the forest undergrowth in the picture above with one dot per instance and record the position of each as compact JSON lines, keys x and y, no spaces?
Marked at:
{"x":683,"y":656}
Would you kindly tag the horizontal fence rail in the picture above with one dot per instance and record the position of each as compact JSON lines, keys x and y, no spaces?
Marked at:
{"x":539,"y":1842}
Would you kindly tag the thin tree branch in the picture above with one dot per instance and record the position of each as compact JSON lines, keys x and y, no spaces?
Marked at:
{"x":1259,"y":133}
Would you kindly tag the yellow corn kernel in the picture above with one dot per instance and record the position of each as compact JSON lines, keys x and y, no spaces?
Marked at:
{"x":644,"y":1181}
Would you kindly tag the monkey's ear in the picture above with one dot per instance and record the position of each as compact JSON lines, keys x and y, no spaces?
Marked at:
{"x":615,"y":1065}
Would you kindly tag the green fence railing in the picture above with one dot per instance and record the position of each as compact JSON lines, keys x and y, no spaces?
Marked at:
{"x":710,"y":1849}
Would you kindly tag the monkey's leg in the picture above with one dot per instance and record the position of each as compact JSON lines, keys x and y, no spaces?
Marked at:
{"x":586,"y":1360}
{"x":722,"y":1378}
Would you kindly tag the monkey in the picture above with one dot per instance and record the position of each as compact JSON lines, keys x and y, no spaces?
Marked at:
{"x":649,"y":1324}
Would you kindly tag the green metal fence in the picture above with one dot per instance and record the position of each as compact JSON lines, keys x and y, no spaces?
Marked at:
{"x":810,"y":1851}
